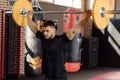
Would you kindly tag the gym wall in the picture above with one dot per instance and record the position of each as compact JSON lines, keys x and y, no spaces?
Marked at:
{"x":12,"y":46}
{"x":3,"y":5}
{"x":109,"y":47}
{"x":109,"y":44}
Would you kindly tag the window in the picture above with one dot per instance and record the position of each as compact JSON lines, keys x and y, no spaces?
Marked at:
{"x":91,"y":3}
{"x":47,"y":0}
{"x":77,"y":3}
{"x":64,"y":2}
{"x":69,"y":3}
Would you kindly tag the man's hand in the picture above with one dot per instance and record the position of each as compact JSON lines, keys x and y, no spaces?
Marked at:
{"x":85,"y":19}
{"x":29,"y":14}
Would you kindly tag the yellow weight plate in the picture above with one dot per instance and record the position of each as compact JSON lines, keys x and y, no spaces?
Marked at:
{"x":16,"y":12}
{"x":101,"y":22}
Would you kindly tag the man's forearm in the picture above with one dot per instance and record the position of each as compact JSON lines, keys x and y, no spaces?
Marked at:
{"x":77,"y":27}
{"x":81,"y":23}
{"x":32,"y":25}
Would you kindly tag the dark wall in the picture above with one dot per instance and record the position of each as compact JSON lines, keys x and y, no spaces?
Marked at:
{"x":108,"y":55}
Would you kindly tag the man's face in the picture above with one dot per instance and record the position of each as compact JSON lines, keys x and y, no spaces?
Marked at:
{"x":48,"y":32}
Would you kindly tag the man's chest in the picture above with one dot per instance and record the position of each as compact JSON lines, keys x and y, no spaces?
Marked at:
{"x":53,"y":45}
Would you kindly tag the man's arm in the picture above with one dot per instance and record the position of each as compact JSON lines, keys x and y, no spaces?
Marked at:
{"x":76,"y":28}
{"x":32,"y":25}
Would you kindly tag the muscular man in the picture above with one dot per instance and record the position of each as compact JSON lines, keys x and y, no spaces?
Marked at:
{"x":53,"y":46}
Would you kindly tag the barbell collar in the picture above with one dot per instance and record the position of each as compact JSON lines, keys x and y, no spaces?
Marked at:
{"x":104,"y":12}
{"x":23,"y":12}
{"x":112,"y":12}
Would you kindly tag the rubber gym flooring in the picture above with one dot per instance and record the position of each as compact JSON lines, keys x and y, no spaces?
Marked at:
{"x":99,"y":73}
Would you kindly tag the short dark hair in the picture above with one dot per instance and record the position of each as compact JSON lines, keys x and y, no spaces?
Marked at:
{"x":50,"y":23}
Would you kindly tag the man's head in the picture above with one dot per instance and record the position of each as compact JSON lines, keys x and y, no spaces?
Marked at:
{"x":49,"y":29}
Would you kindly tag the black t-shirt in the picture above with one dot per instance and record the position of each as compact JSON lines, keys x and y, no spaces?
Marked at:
{"x":53,"y":55}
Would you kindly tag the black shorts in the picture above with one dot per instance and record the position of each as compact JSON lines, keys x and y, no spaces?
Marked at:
{"x":63,"y":77}
{"x":53,"y":79}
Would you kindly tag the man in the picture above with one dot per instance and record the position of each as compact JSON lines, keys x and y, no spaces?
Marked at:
{"x":53,"y":46}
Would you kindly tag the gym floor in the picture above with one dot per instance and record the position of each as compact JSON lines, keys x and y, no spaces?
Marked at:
{"x":83,"y":74}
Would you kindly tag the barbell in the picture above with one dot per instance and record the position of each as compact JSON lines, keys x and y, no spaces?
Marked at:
{"x":100,"y":12}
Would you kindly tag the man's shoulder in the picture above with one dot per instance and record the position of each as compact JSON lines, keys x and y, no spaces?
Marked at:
{"x":61,"y":35}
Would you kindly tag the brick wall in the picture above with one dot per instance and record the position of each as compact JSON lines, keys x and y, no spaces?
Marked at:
{"x":4,"y":5}
{"x":13,"y":40}
{"x":13,"y":35}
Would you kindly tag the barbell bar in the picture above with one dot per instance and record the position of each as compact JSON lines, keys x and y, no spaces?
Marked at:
{"x":101,"y":12}
{"x":23,"y":12}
